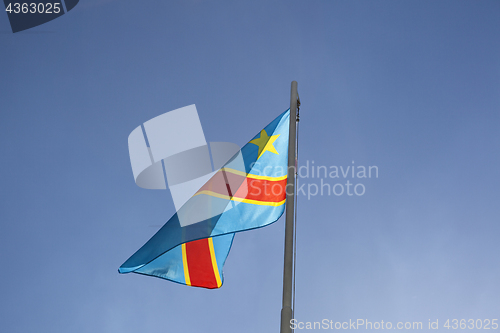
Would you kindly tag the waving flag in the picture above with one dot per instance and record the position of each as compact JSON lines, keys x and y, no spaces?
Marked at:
{"x":247,"y":192}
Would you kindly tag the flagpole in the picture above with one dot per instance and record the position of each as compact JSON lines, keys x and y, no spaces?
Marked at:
{"x":286,"y":310}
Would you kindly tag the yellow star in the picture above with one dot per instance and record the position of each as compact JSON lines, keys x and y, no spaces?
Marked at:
{"x":265,"y":143}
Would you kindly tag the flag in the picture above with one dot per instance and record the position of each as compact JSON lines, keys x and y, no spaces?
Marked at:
{"x":248,"y":192}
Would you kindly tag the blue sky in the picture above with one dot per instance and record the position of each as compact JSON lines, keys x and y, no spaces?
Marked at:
{"x":411,"y":87}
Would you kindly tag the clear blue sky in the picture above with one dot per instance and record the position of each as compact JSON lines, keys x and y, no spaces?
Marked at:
{"x":412,"y":87}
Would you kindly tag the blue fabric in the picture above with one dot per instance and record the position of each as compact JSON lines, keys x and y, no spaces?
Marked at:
{"x":163,"y":249}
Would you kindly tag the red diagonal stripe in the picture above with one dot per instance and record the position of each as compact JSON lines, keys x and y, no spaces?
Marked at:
{"x":230,"y":184}
{"x":262,"y":190}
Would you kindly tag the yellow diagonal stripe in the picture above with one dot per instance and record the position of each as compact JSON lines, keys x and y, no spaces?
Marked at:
{"x":185,"y":264}
{"x":214,"y":262}
{"x":249,"y":175}
{"x":250,"y":201}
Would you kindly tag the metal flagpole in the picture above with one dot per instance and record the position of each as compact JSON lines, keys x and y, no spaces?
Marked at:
{"x":286,"y":310}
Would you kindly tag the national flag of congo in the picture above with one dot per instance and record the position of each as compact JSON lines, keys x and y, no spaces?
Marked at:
{"x":248,"y":192}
